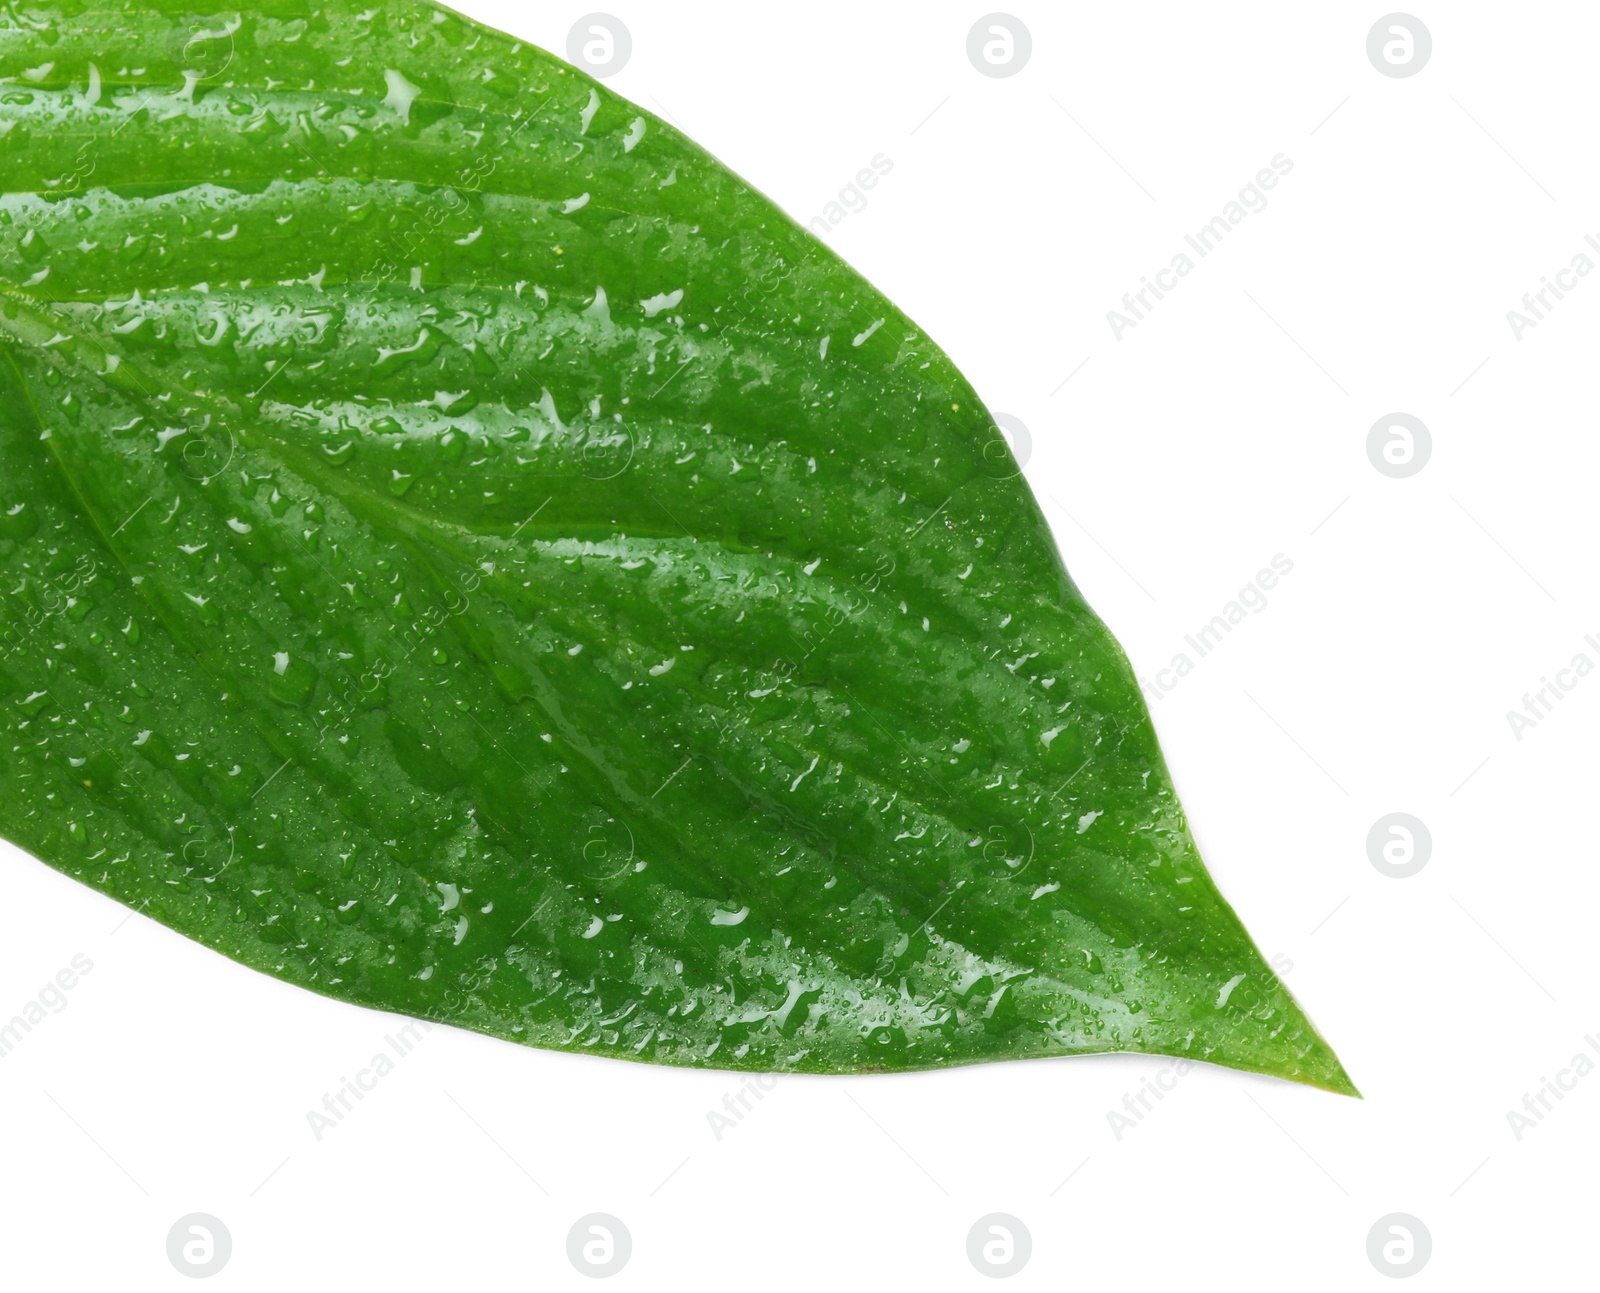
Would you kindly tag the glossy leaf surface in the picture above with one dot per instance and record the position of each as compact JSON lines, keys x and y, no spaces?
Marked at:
{"x":466,"y":553}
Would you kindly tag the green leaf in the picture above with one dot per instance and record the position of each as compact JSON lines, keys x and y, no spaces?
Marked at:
{"x":466,"y":553}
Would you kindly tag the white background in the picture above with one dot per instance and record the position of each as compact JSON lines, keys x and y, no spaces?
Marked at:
{"x":1224,"y":428}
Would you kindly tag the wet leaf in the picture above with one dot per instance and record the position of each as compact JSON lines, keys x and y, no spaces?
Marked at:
{"x":542,"y":588}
